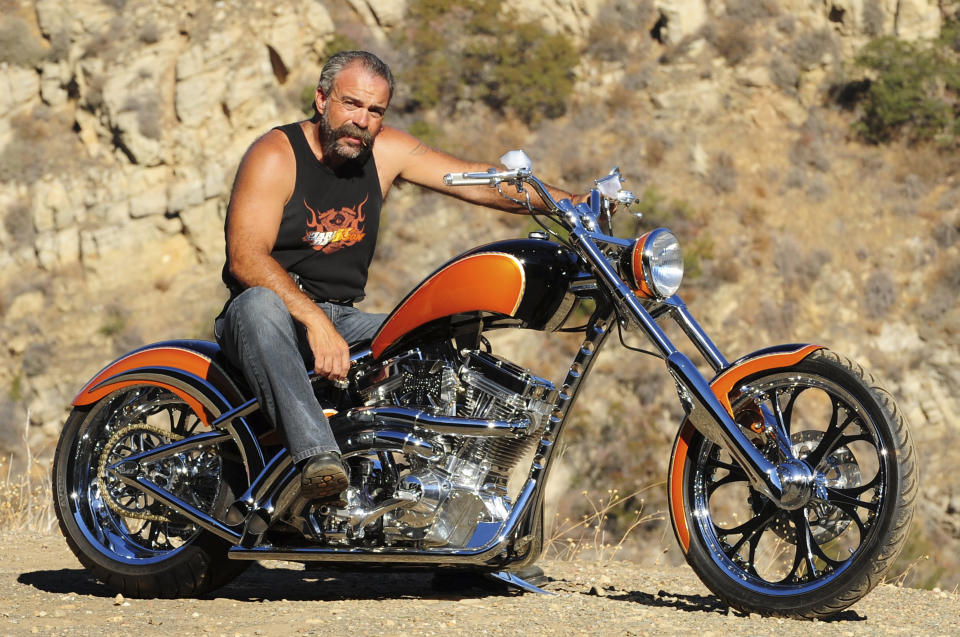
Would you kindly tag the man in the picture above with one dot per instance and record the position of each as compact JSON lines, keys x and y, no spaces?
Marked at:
{"x":300,"y":232}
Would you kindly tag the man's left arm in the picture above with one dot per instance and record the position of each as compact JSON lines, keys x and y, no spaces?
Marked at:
{"x":404,"y":156}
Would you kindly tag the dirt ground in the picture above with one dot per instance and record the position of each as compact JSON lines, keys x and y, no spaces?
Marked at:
{"x":45,"y":591}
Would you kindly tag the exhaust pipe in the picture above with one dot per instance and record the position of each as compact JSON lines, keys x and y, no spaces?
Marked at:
{"x":440,"y":424}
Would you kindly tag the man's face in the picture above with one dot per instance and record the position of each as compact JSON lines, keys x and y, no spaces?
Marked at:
{"x":352,"y":115}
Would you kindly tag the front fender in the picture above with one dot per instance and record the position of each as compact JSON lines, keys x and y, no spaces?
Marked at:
{"x":761,"y":360}
{"x":724,"y":384}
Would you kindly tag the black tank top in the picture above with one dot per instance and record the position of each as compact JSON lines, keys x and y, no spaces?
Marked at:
{"x":329,"y":227}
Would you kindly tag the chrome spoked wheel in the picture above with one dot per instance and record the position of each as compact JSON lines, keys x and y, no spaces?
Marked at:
{"x":119,"y":519}
{"x":777,"y":551}
{"x":126,"y":538}
{"x":825,"y":555}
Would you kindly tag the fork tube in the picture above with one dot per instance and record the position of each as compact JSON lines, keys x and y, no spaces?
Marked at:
{"x":620,"y":291}
{"x":706,"y":412}
{"x":690,"y":326}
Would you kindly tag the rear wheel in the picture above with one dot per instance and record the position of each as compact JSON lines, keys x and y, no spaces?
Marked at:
{"x":821,"y":558}
{"x":127,"y":539}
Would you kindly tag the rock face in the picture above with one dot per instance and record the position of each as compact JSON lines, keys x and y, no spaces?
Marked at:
{"x":162,"y":99}
{"x":122,"y":123}
{"x":683,"y":18}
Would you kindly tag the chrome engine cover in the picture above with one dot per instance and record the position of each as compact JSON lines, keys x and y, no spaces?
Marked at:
{"x":444,"y":497}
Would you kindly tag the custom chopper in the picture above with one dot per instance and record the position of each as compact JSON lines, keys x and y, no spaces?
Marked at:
{"x":791,"y":481}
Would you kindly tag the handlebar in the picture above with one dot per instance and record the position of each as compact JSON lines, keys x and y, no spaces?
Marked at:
{"x":493,"y":178}
{"x":490,"y":178}
{"x":591,"y":215}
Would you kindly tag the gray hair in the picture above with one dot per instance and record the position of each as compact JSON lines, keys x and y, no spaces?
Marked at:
{"x":339,"y":61}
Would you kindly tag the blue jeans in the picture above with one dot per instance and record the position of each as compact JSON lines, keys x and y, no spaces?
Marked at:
{"x":258,"y":335}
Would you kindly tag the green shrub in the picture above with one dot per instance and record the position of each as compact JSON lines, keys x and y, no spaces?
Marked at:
{"x":532,"y":74}
{"x":658,"y":211}
{"x":912,"y":92}
{"x":114,"y":320}
{"x":694,"y":254}
{"x":510,"y":65}
{"x":15,"y":393}
{"x":307,"y":95}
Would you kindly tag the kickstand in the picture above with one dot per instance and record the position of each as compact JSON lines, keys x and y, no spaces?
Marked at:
{"x":512,"y":580}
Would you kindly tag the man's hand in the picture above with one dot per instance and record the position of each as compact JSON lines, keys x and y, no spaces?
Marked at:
{"x":331,"y":354}
{"x":581,"y":198}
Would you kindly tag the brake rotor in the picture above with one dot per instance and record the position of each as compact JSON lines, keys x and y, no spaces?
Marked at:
{"x":838,"y":470}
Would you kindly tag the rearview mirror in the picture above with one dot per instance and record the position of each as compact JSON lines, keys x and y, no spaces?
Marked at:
{"x":516,"y":159}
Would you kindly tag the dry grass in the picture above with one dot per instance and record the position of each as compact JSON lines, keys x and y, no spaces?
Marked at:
{"x":26,"y":497}
{"x":590,"y":537}
{"x":908,"y":571}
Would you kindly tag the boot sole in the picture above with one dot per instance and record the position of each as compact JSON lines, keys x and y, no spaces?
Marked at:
{"x":323,"y":483}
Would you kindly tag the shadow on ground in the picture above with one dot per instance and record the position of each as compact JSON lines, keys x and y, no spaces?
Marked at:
{"x":708,"y":604}
{"x":262,"y":584}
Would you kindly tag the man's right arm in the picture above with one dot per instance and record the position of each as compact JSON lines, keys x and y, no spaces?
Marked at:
{"x":264,"y":183}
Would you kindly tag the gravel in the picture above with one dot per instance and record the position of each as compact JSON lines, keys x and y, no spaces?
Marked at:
{"x":46,"y":591}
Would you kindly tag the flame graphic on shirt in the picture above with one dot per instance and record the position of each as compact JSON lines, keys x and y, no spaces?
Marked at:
{"x":336,"y":228}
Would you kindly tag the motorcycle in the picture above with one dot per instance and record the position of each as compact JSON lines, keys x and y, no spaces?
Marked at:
{"x":791,"y":482}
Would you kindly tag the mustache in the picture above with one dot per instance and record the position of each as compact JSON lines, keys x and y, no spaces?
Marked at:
{"x":352,"y":130}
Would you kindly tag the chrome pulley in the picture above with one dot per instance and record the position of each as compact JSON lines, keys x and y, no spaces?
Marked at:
{"x":124,"y":499}
{"x":193,"y":477}
{"x":132,"y":422}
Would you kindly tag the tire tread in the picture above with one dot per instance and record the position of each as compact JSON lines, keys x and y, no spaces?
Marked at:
{"x":196,"y":570}
{"x":895,"y":537}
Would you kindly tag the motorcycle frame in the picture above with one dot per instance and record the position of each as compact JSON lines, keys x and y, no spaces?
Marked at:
{"x":518,"y":540}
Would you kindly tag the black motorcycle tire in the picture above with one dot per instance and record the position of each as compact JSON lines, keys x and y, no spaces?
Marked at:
{"x":197,"y":567}
{"x":817,"y":585}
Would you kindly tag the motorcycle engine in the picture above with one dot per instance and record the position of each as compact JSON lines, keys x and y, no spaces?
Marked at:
{"x":443,"y":498}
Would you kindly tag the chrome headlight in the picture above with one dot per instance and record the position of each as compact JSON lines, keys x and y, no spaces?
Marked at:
{"x":654,"y":267}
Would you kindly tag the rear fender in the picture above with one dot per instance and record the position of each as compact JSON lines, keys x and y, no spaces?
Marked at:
{"x":194,"y":358}
{"x":724,"y":386}
{"x":190,"y":371}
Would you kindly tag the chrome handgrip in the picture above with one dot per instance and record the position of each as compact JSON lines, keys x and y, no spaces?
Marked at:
{"x":492,"y":178}
{"x":469,"y":179}
{"x":488,"y":178}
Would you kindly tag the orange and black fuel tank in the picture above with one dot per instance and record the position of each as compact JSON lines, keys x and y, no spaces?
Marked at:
{"x":515,"y":283}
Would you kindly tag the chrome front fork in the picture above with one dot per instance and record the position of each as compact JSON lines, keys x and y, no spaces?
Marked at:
{"x":787,"y":484}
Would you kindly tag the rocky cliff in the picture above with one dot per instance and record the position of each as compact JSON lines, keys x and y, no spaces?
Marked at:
{"x":122,"y":123}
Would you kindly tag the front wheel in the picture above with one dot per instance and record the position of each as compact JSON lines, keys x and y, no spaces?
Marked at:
{"x":817,"y":560}
{"x":127,"y":539}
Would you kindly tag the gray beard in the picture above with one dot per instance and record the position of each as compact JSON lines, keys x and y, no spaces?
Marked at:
{"x":334,"y":153}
